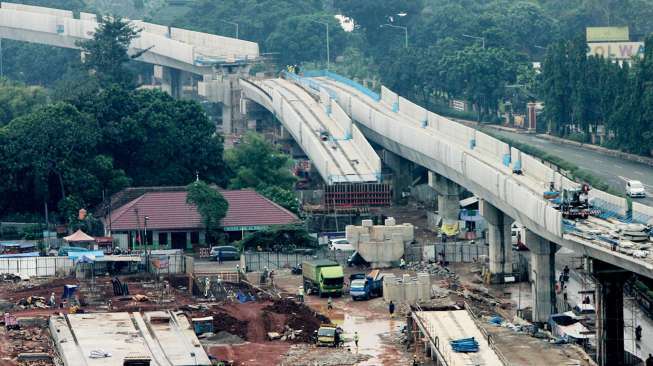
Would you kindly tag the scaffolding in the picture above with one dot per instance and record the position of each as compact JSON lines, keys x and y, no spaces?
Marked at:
{"x":357,"y":195}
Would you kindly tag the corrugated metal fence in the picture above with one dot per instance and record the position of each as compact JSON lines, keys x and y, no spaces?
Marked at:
{"x":256,"y":261}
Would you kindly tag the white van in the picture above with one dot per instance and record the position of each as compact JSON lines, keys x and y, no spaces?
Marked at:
{"x":340,"y":244}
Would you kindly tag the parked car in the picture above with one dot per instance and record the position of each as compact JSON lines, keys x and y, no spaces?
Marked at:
{"x":340,"y":244}
{"x":635,"y":188}
{"x":227,"y":252}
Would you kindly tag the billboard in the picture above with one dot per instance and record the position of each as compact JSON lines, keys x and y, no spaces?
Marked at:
{"x":616,"y":50}
{"x":607,"y":34}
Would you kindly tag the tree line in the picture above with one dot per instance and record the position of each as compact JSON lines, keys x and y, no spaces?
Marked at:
{"x":581,"y":93}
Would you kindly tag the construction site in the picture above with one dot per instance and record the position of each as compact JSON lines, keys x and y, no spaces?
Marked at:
{"x":218,"y":314}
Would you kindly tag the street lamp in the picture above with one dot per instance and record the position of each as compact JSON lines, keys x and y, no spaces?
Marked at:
{"x":327,"y":41}
{"x":232,"y":23}
{"x":399,"y":27}
{"x":475,"y":37}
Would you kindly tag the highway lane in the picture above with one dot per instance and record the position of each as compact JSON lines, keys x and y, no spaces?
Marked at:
{"x":612,"y":170}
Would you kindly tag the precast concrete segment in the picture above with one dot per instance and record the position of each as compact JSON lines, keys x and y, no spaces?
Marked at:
{"x":610,"y":282}
{"x":499,"y":241}
{"x":440,"y":327}
{"x":542,"y":277}
{"x":361,"y":107}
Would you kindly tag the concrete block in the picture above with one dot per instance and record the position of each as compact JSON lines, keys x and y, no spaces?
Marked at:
{"x":390,"y":221}
{"x":367,"y":223}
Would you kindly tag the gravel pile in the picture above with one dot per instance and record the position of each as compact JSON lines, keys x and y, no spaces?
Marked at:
{"x":305,"y":355}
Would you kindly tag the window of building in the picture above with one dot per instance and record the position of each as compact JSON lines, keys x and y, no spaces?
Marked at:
{"x":163,"y":239}
{"x":194,"y":237}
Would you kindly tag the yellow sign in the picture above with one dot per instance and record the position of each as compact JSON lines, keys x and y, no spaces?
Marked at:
{"x":617,"y":50}
{"x":607,"y":34}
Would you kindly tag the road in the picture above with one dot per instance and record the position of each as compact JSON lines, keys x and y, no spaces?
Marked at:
{"x":612,"y":170}
{"x":633,"y":315}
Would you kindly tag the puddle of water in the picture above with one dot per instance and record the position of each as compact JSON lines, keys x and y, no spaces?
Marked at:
{"x":375,"y":337}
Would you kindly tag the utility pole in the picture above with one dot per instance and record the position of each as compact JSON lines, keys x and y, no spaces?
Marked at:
{"x":232,"y":23}
{"x":399,"y":27}
{"x":327,"y":41}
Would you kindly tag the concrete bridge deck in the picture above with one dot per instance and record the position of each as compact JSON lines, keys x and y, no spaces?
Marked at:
{"x":328,"y":137}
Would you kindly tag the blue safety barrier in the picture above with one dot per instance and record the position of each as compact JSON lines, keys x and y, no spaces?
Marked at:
{"x":344,"y":80}
{"x":507,"y":159}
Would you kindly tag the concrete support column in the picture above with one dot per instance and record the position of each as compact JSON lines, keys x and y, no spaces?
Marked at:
{"x":499,"y":241}
{"x":402,"y":170}
{"x":542,"y":276}
{"x":448,"y":196}
{"x":609,"y":312}
{"x":171,"y":81}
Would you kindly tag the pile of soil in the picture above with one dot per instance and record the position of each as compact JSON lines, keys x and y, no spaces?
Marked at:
{"x":299,"y":317}
{"x":225,"y":322}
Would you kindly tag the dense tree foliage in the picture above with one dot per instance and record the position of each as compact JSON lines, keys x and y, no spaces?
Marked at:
{"x":581,"y":93}
{"x":211,"y":205}
{"x":257,"y":163}
{"x":106,"y":53}
{"x":17,"y":100}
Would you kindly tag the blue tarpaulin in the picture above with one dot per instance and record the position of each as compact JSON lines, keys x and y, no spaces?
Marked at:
{"x":244,"y":298}
{"x":20,"y":255}
{"x":464,"y":345}
{"x":77,"y":254}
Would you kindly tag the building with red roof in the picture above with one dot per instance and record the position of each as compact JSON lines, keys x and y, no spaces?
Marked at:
{"x":161,"y":217}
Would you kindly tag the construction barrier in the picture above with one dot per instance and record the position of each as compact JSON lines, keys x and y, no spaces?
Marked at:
{"x":607,"y":202}
{"x":493,"y":147}
{"x":642,"y":213}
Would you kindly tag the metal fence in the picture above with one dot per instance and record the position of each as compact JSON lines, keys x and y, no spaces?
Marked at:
{"x":64,"y":266}
{"x":256,"y":261}
{"x":453,"y":251}
{"x":37,"y":266}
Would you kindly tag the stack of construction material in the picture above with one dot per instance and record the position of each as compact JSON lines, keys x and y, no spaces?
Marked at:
{"x":633,"y":232}
{"x":464,"y":345}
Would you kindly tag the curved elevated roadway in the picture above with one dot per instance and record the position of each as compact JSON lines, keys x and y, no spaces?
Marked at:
{"x":328,"y":137}
{"x":453,"y":150}
{"x":180,"y":49}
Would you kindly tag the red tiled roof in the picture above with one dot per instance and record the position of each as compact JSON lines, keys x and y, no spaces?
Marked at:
{"x":169,"y":211}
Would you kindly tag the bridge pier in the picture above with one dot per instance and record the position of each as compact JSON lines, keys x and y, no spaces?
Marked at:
{"x":499,"y":241}
{"x":543,"y":276}
{"x":402,"y":170}
{"x":170,"y":79}
{"x":610,"y":281}
{"x":448,"y":196}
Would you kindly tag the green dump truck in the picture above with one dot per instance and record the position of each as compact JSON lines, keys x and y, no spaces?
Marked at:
{"x":323,"y":277}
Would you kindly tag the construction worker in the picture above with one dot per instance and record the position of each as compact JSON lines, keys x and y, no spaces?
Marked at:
{"x":415,"y":363}
{"x":391,"y":308}
{"x":356,"y":339}
{"x":649,"y":360}
{"x":402,"y":263}
{"x":638,"y":333}
{"x":566,"y":273}
{"x":329,"y":303}
{"x":53,"y":301}
{"x":300,"y":294}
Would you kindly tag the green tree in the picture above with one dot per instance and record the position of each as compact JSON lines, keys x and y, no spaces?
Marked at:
{"x":211,"y":205}
{"x":106,"y":53}
{"x":17,"y":100}
{"x":256,"y":163}
{"x":283,"y":197}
